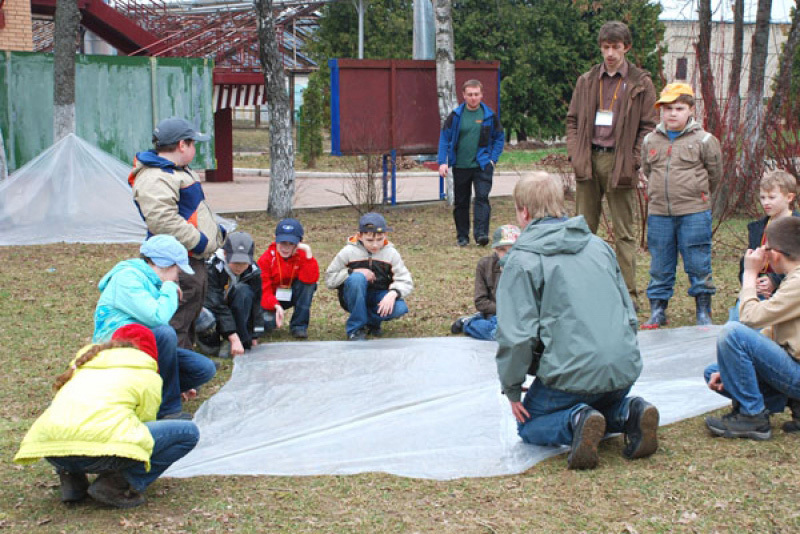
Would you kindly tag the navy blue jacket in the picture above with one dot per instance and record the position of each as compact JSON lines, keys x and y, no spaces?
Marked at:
{"x":490,"y":144}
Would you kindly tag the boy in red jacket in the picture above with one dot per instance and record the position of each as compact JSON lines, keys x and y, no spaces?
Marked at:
{"x":288,"y":279}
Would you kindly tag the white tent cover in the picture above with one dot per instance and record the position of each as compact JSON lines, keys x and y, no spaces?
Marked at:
{"x":427,"y":408}
{"x":72,"y":192}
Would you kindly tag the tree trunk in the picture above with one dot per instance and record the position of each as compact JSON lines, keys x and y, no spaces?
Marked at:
{"x":67,"y":24}
{"x":730,"y":180}
{"x":281,"y":184}
{"x":753,"y":154}
{"x":703,"y":48}
{"x":445,"y":70}
{"x":783,"y":82}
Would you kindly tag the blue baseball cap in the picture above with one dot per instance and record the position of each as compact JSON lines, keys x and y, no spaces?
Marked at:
{"x":373,"y":222}
{"x":289,"y":231}
{"x":166,"y":251}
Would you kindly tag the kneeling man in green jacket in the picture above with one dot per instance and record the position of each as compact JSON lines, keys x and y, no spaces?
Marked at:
{"x":564,"y":315}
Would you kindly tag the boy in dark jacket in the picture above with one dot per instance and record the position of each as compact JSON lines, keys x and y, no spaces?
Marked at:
{"x":483,"y":324}
{"x":233,"y":302}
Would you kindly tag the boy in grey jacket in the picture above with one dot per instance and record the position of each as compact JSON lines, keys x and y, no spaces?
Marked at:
{"x":683,"y":164}
{"x":564,"y":314}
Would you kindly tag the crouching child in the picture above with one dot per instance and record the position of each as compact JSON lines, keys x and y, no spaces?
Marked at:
{"x":231,"y":320}
{"x":371,"y":279}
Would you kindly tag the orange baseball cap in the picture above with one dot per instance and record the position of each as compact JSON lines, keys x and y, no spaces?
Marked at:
{"x":672,"y":91}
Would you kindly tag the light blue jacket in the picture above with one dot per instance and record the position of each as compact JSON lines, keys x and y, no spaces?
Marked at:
{"x":132,"y":292}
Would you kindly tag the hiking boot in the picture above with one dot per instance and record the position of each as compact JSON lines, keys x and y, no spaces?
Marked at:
{"x":641,"y":429}
{"x":458,"y":325}
{"x":374,"y":330}
{"x":703,"y":303}
{"x":793,"y":425}
{"x":73,"y":486}
{"x":112,"y":489}
{"x":482,"y":240}
{"x":224,"y":350}
{"x":740,"y":425}
{"x":300,"y":333}
{"x":658,"y":314}
{"x":358,"y":335}
{"x":586,"y":435}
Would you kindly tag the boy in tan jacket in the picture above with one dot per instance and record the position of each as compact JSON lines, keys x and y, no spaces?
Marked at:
{"x":682,"y":164}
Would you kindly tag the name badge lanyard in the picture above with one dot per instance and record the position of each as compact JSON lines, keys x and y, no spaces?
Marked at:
{"x":284,"y":291}
{"x":605,"y":117}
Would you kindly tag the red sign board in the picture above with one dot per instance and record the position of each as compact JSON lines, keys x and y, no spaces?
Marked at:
{"x":383,"y":105}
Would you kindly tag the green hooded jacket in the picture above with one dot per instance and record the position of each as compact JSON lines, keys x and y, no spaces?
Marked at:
{"x":562,"y":301}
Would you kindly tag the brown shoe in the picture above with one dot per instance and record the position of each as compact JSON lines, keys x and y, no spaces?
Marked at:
{"x":112,"y":489}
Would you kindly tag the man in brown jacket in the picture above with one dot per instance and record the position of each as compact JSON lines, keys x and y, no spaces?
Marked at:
{"x":611,"y":111}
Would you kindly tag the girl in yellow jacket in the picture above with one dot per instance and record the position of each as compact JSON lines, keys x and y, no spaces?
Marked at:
{"x":103,"y":420}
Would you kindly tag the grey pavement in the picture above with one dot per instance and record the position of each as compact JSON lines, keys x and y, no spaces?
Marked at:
{"x":249,"y":190}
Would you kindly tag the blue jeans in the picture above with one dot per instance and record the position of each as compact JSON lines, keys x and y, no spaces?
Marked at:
{"x":173,"y":440}
{"x":463,"y":182}
{"x":552,"y":410}
{"x":362,"y":303}
{"x":302,"y":295}
{"x":482,"y":328}
{"x":691,"y":236}
{"x":180,"y":369}
{"x":756,"y":372}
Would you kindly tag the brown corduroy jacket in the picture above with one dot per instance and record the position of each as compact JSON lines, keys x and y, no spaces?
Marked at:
{"x":637,"y":118}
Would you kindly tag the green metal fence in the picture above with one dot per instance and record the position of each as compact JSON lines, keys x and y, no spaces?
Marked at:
{"x":118,"y":100}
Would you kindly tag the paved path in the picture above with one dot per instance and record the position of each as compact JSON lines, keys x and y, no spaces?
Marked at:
{"x":249,"y":190}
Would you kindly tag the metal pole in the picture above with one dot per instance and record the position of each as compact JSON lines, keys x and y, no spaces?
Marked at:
{"x":360,"y":29}
{"x":394,"y":177}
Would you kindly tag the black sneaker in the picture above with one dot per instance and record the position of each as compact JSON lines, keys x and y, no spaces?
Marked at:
{"x":641,"y":429}
{"x":586,"y":435}
{"x":458,"y":325}
{"x":482,"y":240}
{"x":791,"y":427}
{"x":358,"y":335}
{"x":73,"y":486}
{"x":177,"y":416}
{"x":740,"y":425}
{"x":374,"y":330}
{"x":300,"y":333}
{"x":463,"y":241}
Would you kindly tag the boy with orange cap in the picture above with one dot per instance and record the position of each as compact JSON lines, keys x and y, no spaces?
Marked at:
{"x":682,"y":164}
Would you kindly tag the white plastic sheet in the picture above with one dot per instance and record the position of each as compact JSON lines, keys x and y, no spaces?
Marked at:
{"x":72,"y":192}
{"x":427,"y":408}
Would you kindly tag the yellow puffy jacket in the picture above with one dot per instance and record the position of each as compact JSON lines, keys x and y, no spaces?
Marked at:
{"x":100,"y":411}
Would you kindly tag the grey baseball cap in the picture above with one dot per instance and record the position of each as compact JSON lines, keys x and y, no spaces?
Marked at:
{"x":170,"y":131}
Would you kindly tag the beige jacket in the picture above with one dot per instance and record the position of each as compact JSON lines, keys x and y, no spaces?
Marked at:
{"x":779,"y":316}
{"x":637,"y":118}
{"x":681,"y":174}
{"x":171,"y":201}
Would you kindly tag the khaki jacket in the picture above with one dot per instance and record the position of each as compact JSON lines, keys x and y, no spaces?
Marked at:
{"x":779,"y":316}
{"x":681,"y":174}
{"x":637,"y":118}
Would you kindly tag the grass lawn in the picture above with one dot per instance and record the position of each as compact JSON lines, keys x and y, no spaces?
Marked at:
{"x":693,"y":484}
